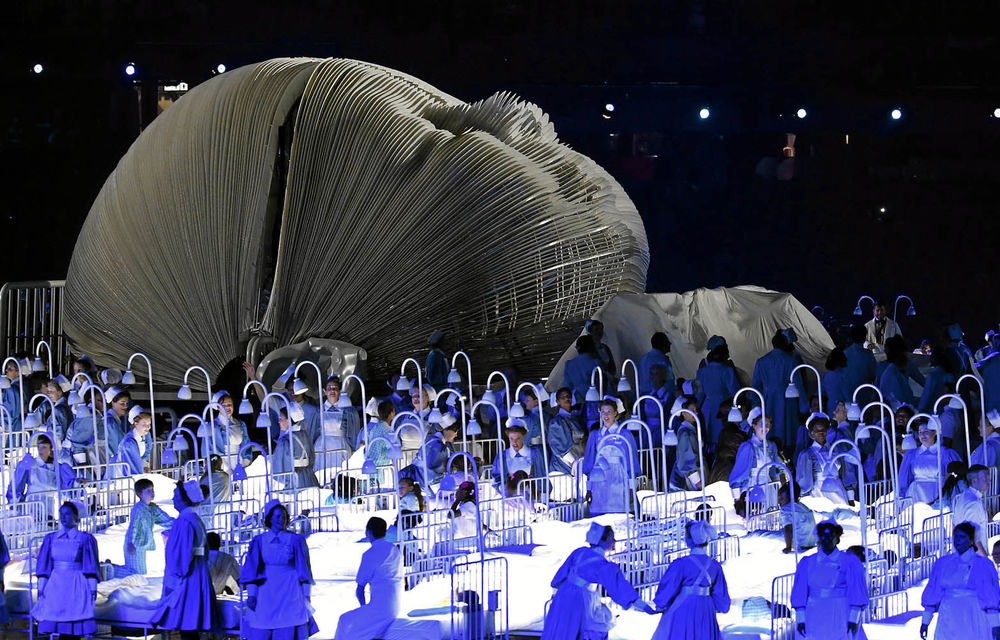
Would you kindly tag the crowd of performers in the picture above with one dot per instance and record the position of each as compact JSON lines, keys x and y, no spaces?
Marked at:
{"x":707,"y":431}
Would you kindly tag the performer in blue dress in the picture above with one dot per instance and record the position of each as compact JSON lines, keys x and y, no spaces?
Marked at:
{"x":67,"y":578}
{"x":692,"y":591}
{"x":964,"y":591}
{"x":576,"y":612}
{"x":187,"y":603}
{"x":919,"y":475}
{"x":278,"y":579}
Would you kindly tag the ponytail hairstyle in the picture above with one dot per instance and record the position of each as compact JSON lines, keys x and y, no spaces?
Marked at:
{"x":416,"y":491}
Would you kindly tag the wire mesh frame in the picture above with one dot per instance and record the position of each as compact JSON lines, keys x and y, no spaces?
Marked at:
{"x":781,"y":594}
{"x":479,"y":600}
{"x":33,"y":311}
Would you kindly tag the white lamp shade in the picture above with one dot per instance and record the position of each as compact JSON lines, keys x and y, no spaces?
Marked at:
{"x":31,"y":421}
{"x":863,"y":433}
{"x":204,"y":431}
{"x":735,"y":415}
{"x":368,"y":468}
{"x":473,"y":428}
{"x":911,"y":311}
{"x":447,"y":483}
{"x":593,"y":395}
{"x":184,"y":393}
{"x":263,"y":420}
{"x":179,"y":444}
{"x":4,"y":382}
{"x":857,"y":310}
{"x":37,"y":365}
{"x":909,"y":442}
{"x":245,"y":407}
{"x":454,"y":377}
{"x":128,"y":377}
{"x":955,"y":403}
{"x":344,"y":401}
{"x":516,"y":410}
{"x":395,"y":453}
{"x":791,"y":391}
{"x":299,"y":386}
{"x":489,"y":396}
{"x":435,"y":417}
{"x":624,"y":386}
{"x":168,"y":458}
{"x":670,"y":438}
{"x":402,"y":384}
{"x":853,"y":411}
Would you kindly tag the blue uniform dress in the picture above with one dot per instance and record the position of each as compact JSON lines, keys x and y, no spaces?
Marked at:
{"x":577,"y":373}
{"x":140,"y":534}
{"x":187,"y":602}
{"x":989,"y":369}
{"x":933,"y":388}
{"x":988,"y":452}
{"x":278,"y":572}
{"x":12,"y":403}
{"x":687,"y":470}
{"x":116,"y":428}
{"x":303,"y":458}
{"x":650,"y":413}
{"x":718,"y":383}
{"x":63,"y":416}
{"x":529,"y":459}
{"x":68,"y":560}
{"x":895,"y":386}
{"x":690,"y":594}
{"x":610,"y":477}
{"x":559,"y":437}
{"x":963,"y":590}
{"x":133,"y":454}
{"x":860,"y":369}
{"x":80,"y":441}
{"x":436,"y":369}
{"x":835,"y":389}
{"x":828,"y":592}
{"x":576,"y":612}
{"x":335,"y":436}
{"x":654,"y":356}
{"x":918,"y":472}
{"x":817,"y":477}
{"x":770,"y":377}
{"x":751,"y":456}
{"x":436,"y":452}
{"x":33,"y":475}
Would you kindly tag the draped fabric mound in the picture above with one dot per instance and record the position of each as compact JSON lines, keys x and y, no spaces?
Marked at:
{"x":336,"y":199}
{"x":746,"y":316}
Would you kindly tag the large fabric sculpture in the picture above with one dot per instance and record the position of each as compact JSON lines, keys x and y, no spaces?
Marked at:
{"x":335,"y":199}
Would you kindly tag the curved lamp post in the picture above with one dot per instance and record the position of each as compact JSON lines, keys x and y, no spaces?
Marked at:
{"x":910,"y":310}
{"x":857,"y":309}
{"x":129,"y":378}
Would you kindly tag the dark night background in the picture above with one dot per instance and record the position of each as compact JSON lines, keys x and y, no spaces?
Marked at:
{"x":710,"y":217}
